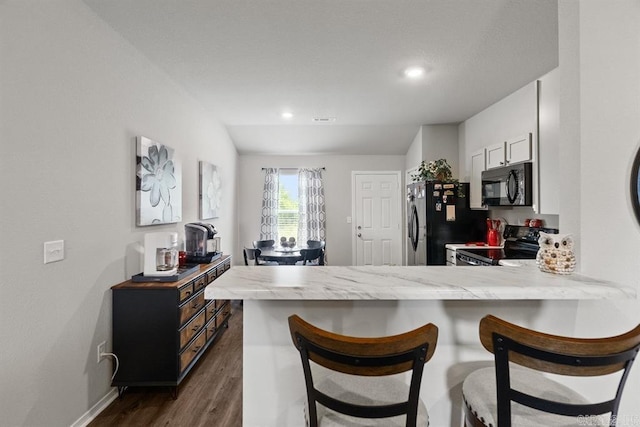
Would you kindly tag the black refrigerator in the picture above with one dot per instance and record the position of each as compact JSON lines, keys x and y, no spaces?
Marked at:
{"x":437,"y":215}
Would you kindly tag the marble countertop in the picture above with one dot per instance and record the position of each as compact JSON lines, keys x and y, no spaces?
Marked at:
{"x":524,"y":282}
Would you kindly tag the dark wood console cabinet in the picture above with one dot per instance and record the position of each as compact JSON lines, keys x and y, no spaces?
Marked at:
{"x":161,"y":329}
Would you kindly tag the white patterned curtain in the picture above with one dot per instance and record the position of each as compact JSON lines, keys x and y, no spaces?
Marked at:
{"x":311,"y":214}
{"x":269,"y":221}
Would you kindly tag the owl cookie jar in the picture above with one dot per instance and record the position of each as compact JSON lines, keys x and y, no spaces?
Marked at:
{"x":556,"y":253}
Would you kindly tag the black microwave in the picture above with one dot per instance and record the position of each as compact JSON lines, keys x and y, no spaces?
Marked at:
{"x":508,"y":186}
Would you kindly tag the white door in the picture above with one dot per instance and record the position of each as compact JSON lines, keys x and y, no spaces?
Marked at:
{"x":377,"y":213}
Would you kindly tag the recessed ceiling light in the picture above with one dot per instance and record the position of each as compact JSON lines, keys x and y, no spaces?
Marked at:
{"x":414,"y":72}
{"x":287,"y":115}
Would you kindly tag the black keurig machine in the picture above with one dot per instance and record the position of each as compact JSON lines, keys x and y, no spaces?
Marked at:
{"x":201,"y":244}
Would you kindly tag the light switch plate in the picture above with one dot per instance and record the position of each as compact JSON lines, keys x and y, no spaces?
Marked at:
{"x":53,"y":251}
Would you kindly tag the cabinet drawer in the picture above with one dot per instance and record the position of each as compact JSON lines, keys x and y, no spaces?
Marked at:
{"x":211,"y":310}
{"x":211,"y":275}
{"x":219,"y":270}
{"x":192,"y":328}
{"x":212,"y":328}
{"x":192,"y":350}
{"x":191,"y":307}
{"x":224,"y":309}
{"x":185,"y":292}
{"x":199,"y":283}
{"x":451,"y":256}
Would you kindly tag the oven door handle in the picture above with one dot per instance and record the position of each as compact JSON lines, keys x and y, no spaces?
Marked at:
{"x":467,"y":260}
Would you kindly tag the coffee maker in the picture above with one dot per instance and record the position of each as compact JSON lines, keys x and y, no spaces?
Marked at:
{"x":201,"y":245}
{"x":160,"y":254}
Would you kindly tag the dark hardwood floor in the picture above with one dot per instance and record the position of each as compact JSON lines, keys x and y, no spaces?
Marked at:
{"x":211,"y":395}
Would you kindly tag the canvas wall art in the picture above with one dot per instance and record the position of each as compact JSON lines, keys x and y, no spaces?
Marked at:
{"x":158,"y":184}
{"x":210,"y":191}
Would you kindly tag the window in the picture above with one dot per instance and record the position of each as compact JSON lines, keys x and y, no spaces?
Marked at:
{"x":288,"y":203}
{"x":293,"y":205}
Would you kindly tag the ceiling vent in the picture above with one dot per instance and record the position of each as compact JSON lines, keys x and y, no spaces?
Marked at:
{"x":323,"y":119}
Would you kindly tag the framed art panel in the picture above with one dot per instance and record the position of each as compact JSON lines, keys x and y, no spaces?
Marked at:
{"x":210,"y":191}
{"x":158,"y":184}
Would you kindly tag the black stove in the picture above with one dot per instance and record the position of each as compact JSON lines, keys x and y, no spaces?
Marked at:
{"x":519,"y":243}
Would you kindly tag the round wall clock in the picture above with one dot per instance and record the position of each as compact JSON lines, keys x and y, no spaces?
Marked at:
{"x":635,"y":185}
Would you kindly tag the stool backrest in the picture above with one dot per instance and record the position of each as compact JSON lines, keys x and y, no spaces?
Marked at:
{"x":378,"y":356}
{"x":557,"y":355}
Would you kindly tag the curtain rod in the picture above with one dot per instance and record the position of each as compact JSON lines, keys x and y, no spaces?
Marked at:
{"x":323,"y":168}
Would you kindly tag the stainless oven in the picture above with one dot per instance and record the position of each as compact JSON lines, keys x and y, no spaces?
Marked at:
{"x":519,"y":243}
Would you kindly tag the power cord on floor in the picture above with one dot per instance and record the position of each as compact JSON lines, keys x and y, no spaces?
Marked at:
{"x":117,"y":363}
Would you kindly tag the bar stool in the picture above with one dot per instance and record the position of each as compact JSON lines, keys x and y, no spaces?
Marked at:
{"x":539,"y":400}
{"x":354,"y":400}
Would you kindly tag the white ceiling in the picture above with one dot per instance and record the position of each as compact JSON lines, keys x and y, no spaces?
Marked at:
{"x":249,"y":60}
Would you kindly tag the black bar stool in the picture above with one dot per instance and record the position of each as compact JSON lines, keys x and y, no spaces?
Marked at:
{"x":537,"y":399}
{"x":354,"y":399}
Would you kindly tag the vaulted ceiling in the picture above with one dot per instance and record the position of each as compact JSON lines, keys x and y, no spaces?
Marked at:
{"x":248,"y":61}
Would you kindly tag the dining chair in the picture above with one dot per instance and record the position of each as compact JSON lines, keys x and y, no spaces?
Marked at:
{"x":312,"y":256}
{"x":252,"y":254}
{"x":316,"y":244}
{"x":259,"y":244}
{"x":539,"y":400}
{"x":371,"y":393}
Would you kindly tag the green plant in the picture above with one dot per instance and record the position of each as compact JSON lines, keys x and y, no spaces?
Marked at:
{"x":437,"y":170}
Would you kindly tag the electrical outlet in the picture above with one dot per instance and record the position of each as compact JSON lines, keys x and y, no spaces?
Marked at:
{"x":102,"y":348}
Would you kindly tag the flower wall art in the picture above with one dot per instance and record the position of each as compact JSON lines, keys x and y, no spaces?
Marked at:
{"x":210,"y":191}
{"x":158,"y":184}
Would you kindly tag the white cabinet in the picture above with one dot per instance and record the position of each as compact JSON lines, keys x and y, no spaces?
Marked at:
{"x":518,"y":149}
{"x":475,"y":187}
{"x":495,"y":156}
{"x":515,"y":150}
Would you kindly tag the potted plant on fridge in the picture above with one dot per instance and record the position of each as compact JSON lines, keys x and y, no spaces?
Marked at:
{"x":437,"y":170}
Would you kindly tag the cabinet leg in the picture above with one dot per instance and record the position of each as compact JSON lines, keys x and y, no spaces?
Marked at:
{"x":174,"y":393}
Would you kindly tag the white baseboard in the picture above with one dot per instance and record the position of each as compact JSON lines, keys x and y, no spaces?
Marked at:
{"x":100,"y":406}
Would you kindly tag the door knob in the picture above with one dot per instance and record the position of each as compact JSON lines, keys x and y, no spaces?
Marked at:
{"x":359,"y":234}
{"x":359,"y":228}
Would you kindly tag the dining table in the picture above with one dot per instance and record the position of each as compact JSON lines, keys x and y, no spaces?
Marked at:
{"x":282,"y":255}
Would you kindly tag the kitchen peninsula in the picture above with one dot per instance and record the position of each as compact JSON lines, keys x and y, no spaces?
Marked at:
{"x":385,"y":300}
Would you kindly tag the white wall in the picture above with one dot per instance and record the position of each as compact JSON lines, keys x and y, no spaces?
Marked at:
{"x":433,"y":142}
{"x":441,"y":142}
{"x":600,"y":130}
{"x":414,"y":153}
{"x":74,"y":95}
{"x":510,"y":117}
{"x":337,"y":182}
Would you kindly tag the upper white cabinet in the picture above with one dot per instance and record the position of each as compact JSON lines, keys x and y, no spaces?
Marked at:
{"x":495,"y":155}
{"x":518,"y":149}
{"x":513,"y":150}
{"x":475,"y":187}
